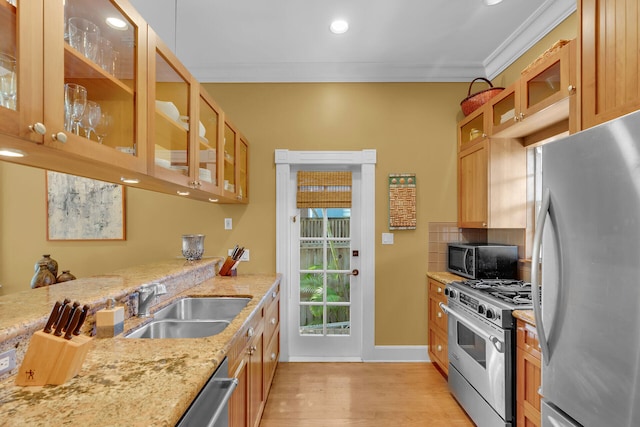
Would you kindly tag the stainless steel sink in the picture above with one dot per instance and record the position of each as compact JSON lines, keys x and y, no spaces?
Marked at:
{"x":208,"y":308}
{"x":171,"y":328}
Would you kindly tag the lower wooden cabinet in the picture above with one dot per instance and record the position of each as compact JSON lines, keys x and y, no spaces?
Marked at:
{"x":437,"y":341}
{"x":253,"y":358}
{"x":528,"y":376}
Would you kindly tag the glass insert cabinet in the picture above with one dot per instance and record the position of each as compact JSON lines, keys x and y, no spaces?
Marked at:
{"x":92,"y":91}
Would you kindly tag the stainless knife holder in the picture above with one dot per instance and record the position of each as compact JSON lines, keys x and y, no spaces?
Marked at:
{"x":52,"y":360}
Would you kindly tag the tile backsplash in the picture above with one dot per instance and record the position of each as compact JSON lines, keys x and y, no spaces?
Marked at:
{"x":441,"y":233}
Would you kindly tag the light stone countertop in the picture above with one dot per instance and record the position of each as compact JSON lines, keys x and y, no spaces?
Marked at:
{"x":127,"y":382}
{"x":444,"y":276}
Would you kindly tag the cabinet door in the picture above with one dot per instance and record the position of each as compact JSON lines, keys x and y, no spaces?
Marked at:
{"x":473,"y":186}
{"x":242,"y":193}
{"x":170,"y":124}
{"x":208,"y":143}
{"x":610,"y":61}
{"x":21,"y":68}
{"x":528,"y":380}
{"x":93,"y":104}
{"x":256,"y":378}
{"x":473,"y":128}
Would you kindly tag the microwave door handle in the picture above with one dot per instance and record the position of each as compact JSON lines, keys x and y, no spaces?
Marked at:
{"x":499,"y":345}
{"x":535,"y":280}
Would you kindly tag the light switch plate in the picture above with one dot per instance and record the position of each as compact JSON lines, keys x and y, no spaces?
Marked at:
{"x":228,"y":224}
{"x":387,"y":238}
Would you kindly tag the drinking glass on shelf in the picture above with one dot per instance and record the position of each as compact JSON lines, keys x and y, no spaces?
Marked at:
{"x":103,"y":126}
{"x":105,"y":52}
{"x":84,"y":36}
{"x":90,"y":118}
{"x":75,"y":102}
{"x":8,"y":81}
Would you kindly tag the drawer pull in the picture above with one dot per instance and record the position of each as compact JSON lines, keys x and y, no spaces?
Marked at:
{"x":439,"y":315}
{"x":273,"y":356}
{"x":439,"y":290}
{"x":250,"y":332}
{"x":273,"y":321}
{"x":439,"y":347}
{"x":274,"y":295}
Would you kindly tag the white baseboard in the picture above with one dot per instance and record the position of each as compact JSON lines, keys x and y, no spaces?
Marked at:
{"x":399,"y":353}
{"x":323,"y":359}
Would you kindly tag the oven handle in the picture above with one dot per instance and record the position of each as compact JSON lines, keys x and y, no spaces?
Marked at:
{"x":499,"y":345}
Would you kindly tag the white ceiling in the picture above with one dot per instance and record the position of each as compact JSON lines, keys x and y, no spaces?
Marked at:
{"x":388,"y":40}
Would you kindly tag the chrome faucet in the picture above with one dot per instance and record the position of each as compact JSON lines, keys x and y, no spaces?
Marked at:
{"x":146,"y":295}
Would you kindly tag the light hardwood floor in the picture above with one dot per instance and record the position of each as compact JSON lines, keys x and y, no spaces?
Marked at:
{"x":361,"y":394}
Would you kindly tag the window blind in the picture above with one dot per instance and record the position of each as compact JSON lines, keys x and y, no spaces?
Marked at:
{"x":324,"y":189}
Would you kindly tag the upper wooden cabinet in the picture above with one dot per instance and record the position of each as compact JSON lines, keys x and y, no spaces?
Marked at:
{"x":610,"y":60}
{"x":492,"y":184}
{"x":473,"y":128}
{"x":541,"y":97}
{"x":95,"y":93}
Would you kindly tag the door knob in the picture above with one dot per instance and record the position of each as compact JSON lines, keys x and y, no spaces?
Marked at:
{"x":354,"y":272}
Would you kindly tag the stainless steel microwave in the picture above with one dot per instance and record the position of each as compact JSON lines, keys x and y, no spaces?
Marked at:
{"x":483,"y":260}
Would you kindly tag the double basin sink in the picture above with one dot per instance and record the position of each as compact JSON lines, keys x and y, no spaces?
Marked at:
{"x":192,"y":318}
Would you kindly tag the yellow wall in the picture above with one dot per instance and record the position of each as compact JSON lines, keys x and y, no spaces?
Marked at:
{"x":412,"y":126}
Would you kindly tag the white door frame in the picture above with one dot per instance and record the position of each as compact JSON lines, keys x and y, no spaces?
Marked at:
{"x":367,"y":160}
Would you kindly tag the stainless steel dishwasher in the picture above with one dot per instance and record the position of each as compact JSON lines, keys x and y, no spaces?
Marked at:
{"x":210,"y":407}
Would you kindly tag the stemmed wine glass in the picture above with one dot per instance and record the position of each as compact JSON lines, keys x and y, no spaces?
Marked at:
{"x":90,"y":118}
{"x":75,"y":102}
{"x":8,"y":81}
{"x":102,"y":127}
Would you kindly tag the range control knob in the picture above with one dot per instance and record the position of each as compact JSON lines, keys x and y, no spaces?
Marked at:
{"x":453,"y":293}
{"x":446,"y":291}
{"x":490,"y":313}
{"x":482,"y":309}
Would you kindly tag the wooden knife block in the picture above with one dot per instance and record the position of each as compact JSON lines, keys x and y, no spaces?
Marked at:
{"x":226,"y":269}
{"x":52,"y":360}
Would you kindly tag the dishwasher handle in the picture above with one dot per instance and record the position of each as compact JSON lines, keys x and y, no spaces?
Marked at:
{"x":231,"y":384}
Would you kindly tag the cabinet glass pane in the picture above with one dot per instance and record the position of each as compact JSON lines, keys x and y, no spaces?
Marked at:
{"x":229,"y":158}
{"x":8,"y":56}
{"x":242,"y":169}
{"x":171,"y":118}
{"x":504,"y":110}
{"x":472,"y":130}
{"x":544,"y":85}
{"x":207,"y":141}
{"x":99,"y":74}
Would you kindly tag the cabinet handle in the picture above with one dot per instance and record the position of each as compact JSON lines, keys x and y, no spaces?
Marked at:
{"x":60,"y":137}
{"x":439,"y":347}
{"x":250,"y":332}
{"x":439,"y":290}
{"x":273,"y":356}
{"x":274,"y":295}
{"x":571,"y":88}
{"x":521,"y":116}
{"x":38,"y":128}
{"x":439,"y":315}
{"x":273,"y":321}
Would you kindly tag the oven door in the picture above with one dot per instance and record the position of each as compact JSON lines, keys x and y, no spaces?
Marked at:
{"x":482,"y":353}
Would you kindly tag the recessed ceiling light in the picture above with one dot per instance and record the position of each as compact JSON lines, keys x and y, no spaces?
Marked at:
{"x":116,"y":23}
{"x":130,"y":180}
{"x":339,"y":26}
{"x":492,"y":2}
{"x":11,"y":152}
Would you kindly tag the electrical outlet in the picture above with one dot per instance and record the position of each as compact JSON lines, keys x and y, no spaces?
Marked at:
{"x":7,"y":361}
{"x":228,"y":223}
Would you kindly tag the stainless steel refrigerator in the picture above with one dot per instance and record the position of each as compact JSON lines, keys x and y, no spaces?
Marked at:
{"x":590,"y":327}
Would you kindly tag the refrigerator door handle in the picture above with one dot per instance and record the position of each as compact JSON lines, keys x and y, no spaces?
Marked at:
{"x":535,"y":280}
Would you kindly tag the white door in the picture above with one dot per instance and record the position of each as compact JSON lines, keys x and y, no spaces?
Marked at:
{"x":326,"y":258}
{"x":326,"y":303}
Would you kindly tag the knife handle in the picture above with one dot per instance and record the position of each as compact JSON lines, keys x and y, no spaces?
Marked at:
{"x":52,"y":317}
{"x":63,"y":320}
{"x":73,"y":323}
{"x":73,"y":310}
{"x":83,"y":315}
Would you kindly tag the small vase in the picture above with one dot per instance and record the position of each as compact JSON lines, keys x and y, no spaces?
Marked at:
{"x":43,"y":277}
{"x":65,"y":277}
{"x":52,"y":264}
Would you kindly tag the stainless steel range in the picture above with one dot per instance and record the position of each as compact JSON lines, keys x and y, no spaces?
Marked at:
{"x":482,"y":346}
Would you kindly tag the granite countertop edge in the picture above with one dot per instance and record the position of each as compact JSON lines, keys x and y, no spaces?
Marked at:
{"x":131,"y":382}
